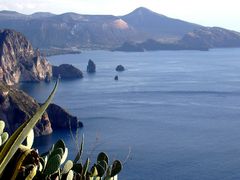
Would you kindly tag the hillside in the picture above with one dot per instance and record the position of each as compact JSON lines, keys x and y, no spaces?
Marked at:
{"x":19,"y":61}
{"x":70,"y":32}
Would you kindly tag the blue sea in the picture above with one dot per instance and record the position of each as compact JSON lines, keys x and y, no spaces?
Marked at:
{"x":176,"y":112}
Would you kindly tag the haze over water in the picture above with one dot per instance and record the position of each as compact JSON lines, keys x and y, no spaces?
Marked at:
{"x":179,"y":111}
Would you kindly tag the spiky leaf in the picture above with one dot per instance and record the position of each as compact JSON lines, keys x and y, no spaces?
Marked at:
{"x":30,"y":138}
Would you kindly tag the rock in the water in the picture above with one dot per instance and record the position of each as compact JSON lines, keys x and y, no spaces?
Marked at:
{"x":19,"y":61}
{"x":120,"y":68}
{"x":66,"y":71}
{"x":116,"y":78}
{"x":61,"y":119}
{"x":91,"y":67}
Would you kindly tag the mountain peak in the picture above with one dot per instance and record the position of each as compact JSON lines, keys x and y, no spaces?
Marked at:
{"x":142,"y":11}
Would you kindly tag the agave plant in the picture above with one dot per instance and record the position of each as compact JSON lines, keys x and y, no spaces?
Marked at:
{"x":19,"y":161}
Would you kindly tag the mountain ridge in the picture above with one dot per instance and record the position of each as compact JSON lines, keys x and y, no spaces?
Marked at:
{"x":80,"y":31}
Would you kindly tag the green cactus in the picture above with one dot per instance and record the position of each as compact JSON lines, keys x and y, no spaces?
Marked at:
{"x":102,"y":157}
{"x":101,"y":167}
{"x":53,"y":165}
{"x":67,"y":167}
{"x":116,"y":168}
{"x":3,"y":135}
{"x":70,"y":175}
{"x":78,"y":168}
{"x":2,"y":126}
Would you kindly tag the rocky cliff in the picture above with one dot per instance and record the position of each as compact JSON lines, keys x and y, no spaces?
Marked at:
{"x":19,"y":61}
{"x":16,"y":107}
{"x":66,"y":71}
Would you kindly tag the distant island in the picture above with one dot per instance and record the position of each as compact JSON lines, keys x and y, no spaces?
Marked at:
{"x":140,"y":30}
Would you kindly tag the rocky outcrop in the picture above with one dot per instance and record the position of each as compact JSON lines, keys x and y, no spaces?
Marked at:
{"x":91,"y":67}
{"x":16,"y":107}
{"x":66,"y":71}
{"x":61,"y":119}
{"x":120,"y":68}
{"x":19,"y":61}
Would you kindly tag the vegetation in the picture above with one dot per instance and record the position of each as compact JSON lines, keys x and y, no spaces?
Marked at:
{"x":19,"y":161}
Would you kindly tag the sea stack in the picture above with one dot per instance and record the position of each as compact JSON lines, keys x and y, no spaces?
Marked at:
{"x":120,"y":68}
{"x":91,"y":67}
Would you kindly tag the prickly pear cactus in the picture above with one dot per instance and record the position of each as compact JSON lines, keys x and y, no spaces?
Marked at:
{"x":3,"y":135}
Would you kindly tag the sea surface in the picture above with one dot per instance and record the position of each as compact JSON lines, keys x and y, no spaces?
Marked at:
{"x":176,"y":112}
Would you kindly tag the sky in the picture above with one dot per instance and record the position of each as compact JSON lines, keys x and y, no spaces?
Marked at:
{"x":221,"y":13}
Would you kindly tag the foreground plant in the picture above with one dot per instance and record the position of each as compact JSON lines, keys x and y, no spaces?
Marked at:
{"x":20,"y":161}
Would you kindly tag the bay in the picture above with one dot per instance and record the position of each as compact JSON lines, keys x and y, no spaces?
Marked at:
{"x":177,"y":111}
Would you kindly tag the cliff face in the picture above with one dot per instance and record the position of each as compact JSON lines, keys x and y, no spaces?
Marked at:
{"x":19,"y":61}
{"x":16,"y":107}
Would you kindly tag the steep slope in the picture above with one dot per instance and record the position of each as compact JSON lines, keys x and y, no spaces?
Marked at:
{"x":70,"y":30}
{"x":200,"y":39}
{"x":214,"y":37}
{"x":19,"y":61}
{"x":157,"y":26}
{"x":16,"y":107}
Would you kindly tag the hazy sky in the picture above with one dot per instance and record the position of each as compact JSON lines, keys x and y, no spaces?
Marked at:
{"x":223,"y":13}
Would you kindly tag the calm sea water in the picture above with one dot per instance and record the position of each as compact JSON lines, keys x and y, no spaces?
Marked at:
{"x":178,"y":112}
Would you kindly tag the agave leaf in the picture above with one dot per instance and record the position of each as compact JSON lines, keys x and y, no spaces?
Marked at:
{"x":79,"y":154}
{"x":30,"y":138}
{"x":21,"y":133}
{"x":32,"y":173}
